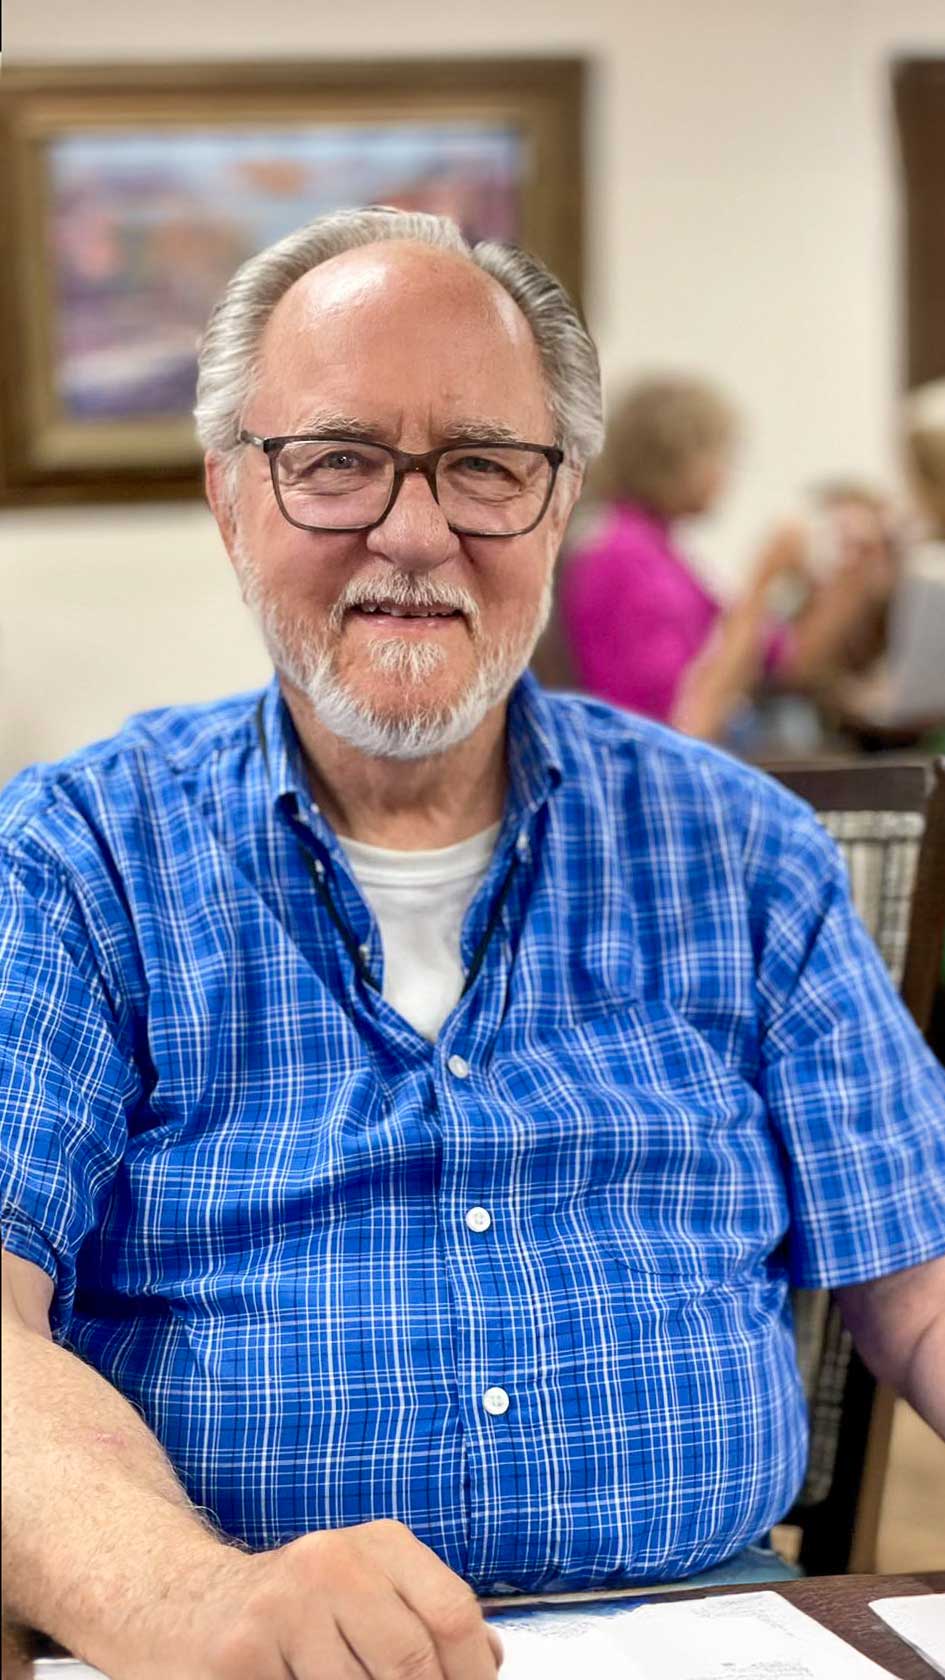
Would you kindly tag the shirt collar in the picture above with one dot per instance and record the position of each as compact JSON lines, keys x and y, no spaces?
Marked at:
{"x":281,"y":750}
{"x":533,"y":755}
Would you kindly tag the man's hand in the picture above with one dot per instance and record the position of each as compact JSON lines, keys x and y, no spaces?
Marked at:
{"x":783,"y":554}
{"x":339,"y":1605}
{"x":16,"y":1663}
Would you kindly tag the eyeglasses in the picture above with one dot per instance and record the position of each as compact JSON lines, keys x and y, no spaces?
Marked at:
{"x":344,"y":484}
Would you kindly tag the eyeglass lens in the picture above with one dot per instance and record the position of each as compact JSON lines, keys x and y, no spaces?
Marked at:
{"x":492,"y":490}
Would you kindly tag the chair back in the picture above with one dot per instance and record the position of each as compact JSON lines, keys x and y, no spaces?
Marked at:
{"x":888,"y":818}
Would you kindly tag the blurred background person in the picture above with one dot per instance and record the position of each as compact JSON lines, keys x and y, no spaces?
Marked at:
{"x":641,"y":627}
{"x":854,"y":540}
{"x":924,"y":441}
{"x":841,"y":595}
{"x":898,"y":699}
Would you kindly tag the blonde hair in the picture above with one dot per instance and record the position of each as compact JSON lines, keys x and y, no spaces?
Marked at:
{"x":924,"y":416}
{"x":655,"y":435}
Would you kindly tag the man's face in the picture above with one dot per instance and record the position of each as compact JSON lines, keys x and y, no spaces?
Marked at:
{"x":413,"y":348}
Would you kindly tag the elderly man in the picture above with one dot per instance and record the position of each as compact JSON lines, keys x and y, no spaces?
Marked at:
{"x":420,"y":1092}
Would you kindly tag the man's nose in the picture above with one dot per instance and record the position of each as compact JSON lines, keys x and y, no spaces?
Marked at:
{"x":415,"y":535}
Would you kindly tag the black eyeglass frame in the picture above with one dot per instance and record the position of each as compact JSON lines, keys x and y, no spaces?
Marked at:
{"x":404,"y":463}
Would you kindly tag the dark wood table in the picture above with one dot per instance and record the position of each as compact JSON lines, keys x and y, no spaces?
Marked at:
{"x":840,"y":1602}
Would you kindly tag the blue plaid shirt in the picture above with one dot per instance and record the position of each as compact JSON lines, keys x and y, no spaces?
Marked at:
{"x":524,"y":1288}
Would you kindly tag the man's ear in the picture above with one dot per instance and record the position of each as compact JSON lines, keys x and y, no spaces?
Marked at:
{"x":572,"y":483}
{"x":217,"y":486}
{"x":577,"y":485}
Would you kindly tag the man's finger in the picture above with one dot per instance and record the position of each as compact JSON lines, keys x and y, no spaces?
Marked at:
{"x":466,"y":1646}
{"x":322,"y":1653}
{"x":449,"y":1612}
{"x":388,"y":1638}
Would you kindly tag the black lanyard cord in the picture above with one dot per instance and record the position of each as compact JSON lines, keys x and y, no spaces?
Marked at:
{"x":316,"y":870}
{"x":479,"y":955}
{"x":350,"y":941}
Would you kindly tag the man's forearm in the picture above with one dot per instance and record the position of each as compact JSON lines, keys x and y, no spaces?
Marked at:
{"x":97,"y":1529}
{"x":726,"y":670}
{"x":924,"y":1386}
{"x":898,"y":1325}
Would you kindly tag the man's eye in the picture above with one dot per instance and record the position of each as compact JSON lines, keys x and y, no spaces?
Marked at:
{"x":481,"y":464}
{"x":310,"y":466}
{"x":342,"y":460}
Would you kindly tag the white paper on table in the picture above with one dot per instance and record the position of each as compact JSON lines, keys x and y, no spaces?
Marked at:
{"x":64,"y":1668}
{"x":920,"y":1621}
{"x":743,"y":1636}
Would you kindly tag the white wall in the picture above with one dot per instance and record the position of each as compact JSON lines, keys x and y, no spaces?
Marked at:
{"x":742,"y":220}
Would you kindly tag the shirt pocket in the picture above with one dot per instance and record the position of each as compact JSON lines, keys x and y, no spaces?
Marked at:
{"x":661,"y":1142}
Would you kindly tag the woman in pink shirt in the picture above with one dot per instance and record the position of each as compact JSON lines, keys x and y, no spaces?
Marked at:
{"x":643,"y":631}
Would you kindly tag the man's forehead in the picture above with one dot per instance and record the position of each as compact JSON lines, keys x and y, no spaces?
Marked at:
{"x":402,"y":278}
{"x":394,"y":324}
{"x":384,"y":422}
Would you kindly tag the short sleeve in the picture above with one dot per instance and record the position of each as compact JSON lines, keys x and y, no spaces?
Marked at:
{"x":855,"y":1095}
{"x":67,"y":1083}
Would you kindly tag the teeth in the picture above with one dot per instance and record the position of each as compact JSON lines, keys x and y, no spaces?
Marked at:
{"x":407,"y":612}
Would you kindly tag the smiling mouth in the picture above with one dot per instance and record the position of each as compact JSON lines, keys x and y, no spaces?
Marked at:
{"x":381,"y":610}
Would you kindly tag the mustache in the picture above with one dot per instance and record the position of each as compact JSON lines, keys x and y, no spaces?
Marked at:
{"x":404,"y":589}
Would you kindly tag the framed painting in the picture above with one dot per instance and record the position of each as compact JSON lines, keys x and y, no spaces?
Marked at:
{"x":133,"y":194}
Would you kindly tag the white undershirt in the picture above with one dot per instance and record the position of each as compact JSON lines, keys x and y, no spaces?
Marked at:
{"x":420,"y":900}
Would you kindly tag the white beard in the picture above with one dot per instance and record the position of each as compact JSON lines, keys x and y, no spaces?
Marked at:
{"x":421,"y":730}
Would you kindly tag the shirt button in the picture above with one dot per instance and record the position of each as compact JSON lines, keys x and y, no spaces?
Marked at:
{"x":478,"y":1219}
{"x":521,"y":845}
{"x":496,"y":1401}
{"x":458,"y":1067}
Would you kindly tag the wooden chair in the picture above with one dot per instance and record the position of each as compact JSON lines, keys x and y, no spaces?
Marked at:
{"x":888,"y":818}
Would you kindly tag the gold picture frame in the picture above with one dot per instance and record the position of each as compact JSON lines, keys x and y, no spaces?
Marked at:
{"x":131,"y":193}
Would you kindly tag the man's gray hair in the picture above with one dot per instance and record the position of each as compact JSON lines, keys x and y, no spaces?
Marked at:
{"x":228,"y":361}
